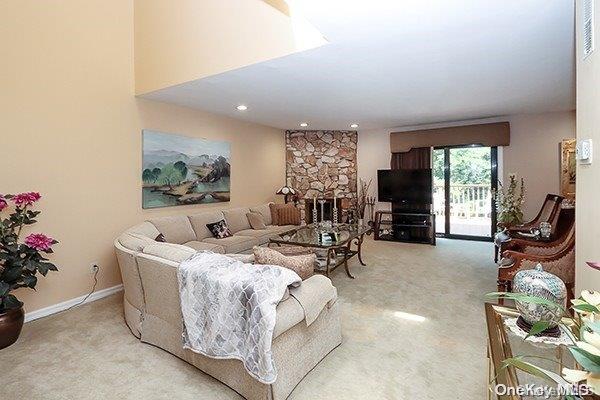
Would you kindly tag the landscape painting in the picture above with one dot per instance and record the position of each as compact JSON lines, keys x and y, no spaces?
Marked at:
{"x":179,"y":170}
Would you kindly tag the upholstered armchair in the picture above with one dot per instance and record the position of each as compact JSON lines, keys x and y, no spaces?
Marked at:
{"x":557,"y":257}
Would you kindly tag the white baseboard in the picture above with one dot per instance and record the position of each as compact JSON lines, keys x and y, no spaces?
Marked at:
{"x":56,"y":308}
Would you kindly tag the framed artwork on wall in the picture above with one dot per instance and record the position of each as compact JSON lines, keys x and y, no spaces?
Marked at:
{"x":179,"y":170}
{"x":568,"y":168}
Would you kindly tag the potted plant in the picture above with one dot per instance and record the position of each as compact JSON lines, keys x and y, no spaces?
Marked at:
{"x":362,"y":199}
{"x":583,"y":328}
{"x":509,"y":202}
{"x":20,"y":261}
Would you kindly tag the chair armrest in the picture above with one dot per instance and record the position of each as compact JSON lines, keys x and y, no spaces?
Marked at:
{"x":520,"y":228}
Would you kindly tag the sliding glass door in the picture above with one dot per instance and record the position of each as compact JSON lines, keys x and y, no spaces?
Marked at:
{"x":464,"y":180}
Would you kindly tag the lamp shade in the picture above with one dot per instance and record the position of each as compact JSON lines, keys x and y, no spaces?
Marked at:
{"x":286,"y":190}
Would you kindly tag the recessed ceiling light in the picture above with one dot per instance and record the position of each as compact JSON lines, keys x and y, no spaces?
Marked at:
{"x":353,"y":125}
{"x":242,"y":107}
{"x":304,"y":124}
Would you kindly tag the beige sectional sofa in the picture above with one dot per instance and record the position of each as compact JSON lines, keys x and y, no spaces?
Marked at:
{"x":308,"y":321}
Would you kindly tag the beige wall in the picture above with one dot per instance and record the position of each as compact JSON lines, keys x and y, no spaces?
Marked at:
{"x":183,"y":40}
{"x":71,"y":129}
{"x":532,"y":154}
{"x":588,"y":176}
{"x":373,"y":153}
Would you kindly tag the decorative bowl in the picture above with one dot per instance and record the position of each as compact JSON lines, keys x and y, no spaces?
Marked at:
{"x":539,"y":283}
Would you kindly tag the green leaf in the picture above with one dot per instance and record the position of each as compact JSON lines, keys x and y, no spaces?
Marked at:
{"x":51,"y":267}
{"x":524,"y":298}
{"x":43,"y":268}
{"x":4,"y":289}
{"x":30,"y":281}
{"x":11,"y":301}
{"x":538,"y":327}
{"x":588,"y":361}
{"x":30,"y":265}
{"x":11,"y":274}
{"x":534,"y":370}
{"x":586,"y":308}
{"x":593,"y":326}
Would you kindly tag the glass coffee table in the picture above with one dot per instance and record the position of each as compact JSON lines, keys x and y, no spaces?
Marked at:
{"x":337,"y":252}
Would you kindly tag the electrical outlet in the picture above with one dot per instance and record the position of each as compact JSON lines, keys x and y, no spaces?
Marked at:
{"x":94,"y":267}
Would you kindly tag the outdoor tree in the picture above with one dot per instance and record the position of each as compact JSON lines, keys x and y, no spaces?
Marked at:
{"x":469,"y":165}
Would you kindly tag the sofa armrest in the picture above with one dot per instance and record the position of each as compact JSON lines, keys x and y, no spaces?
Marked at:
{"x":314,"y":294}
{"x":169,"y":251}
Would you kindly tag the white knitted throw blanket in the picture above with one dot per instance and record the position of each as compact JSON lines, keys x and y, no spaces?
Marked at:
{"x":229,"y":311}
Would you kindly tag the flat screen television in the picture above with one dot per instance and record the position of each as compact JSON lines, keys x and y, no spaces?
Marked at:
{"x":411,"y":187}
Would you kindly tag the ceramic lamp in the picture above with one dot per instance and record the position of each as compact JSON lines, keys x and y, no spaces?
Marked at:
{"x":286,"y":191}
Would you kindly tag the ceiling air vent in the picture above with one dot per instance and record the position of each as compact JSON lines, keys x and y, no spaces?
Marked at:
{"x":588,"y":27}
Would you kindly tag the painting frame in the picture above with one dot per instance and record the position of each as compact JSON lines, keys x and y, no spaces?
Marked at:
{"x":568,"y":168}
{"x":184,"y":170}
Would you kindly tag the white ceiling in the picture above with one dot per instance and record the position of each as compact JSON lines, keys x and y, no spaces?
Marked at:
{"x":392,"y":63}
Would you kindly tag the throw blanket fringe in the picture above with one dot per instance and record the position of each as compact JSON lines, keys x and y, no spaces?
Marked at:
{"x":229,"y":311}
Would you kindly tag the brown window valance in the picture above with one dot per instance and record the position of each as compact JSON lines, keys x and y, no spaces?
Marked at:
{"x":494,"y":134}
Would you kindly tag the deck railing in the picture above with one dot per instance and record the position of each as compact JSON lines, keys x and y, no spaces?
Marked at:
{"x":466,"y":201}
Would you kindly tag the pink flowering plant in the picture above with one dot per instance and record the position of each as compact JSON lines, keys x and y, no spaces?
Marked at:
{"x":21,"y":260}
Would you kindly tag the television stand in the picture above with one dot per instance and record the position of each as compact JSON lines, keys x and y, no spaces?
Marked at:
{"x":412,"y":227}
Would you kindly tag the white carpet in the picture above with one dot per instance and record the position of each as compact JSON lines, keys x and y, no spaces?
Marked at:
{"x":413,"y":326}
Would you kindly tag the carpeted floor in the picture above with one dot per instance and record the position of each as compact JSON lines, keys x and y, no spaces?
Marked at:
{"x":413,"y":326}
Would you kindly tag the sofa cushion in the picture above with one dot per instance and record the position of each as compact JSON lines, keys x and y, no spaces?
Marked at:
{"x":199,"y":222}
{"x":265,"y":211}
{"x":176,"y":228}
{"x":235,"y":243}
{"x":261,"y":233}
{"x":256,"y":221}
{"x":236,"y":219}
{"x":262,"y":236}
{"x":169,"y":251}
{"x":134,"y":241}
{"x":203,"y":246}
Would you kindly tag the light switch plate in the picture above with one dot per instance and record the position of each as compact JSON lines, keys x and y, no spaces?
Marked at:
{"x":584,"y":151}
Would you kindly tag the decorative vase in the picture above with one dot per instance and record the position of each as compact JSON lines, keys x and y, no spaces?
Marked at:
{"x":539,"y":283}
{"x":11,"y":323}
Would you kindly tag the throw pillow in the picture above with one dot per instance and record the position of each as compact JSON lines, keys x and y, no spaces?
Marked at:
{"x":288,"y":216}
{"x":219,"y":229}
{"x":256,"y":220}
{"x":274,"y":207}
{"x":303,"y":265}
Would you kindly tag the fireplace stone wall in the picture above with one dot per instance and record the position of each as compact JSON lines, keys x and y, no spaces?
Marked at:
{"x":322,"y":164}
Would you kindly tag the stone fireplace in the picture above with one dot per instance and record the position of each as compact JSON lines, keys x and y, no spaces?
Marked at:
{"x":322,"y":164}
